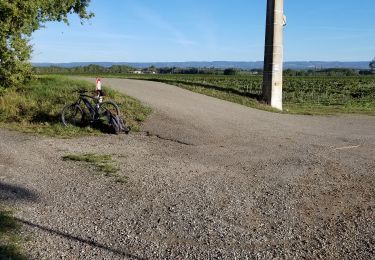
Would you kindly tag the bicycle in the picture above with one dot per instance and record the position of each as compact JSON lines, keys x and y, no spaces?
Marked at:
{"x":74,"y":115}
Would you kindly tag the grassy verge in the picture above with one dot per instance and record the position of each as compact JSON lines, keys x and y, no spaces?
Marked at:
{"x":302,"y":95}
{"x":321,"y":109}
{"x":9,"y":240}
{"x":102,"y":162}
{"x":36,"y":107}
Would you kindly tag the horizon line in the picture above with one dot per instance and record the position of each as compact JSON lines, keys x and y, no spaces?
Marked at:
{"x":52,"y":62}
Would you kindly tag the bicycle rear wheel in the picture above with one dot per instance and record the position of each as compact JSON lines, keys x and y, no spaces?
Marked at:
{"x":106,"y":111}
{"x":72,"y":115}
{"x":109,"y":106}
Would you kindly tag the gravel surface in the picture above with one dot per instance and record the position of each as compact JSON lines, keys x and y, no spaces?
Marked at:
{"x":206,"y":179}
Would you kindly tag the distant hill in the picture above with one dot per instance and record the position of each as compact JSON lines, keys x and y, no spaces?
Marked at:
{"x":297,"y":65}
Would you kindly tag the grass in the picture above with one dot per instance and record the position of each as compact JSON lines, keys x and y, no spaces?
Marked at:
{"x":36,"y":107}
{"x":301,"y":95}
{"x":9,"y":239}
{"x":102,"y":162}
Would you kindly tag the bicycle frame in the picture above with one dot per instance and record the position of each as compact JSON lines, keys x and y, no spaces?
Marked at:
{"x":93,"y":111}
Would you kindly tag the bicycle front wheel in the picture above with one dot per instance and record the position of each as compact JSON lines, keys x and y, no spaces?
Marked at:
{"x":72,"y":115}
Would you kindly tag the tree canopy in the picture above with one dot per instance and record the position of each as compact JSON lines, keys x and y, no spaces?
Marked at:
{"x":18,"y":20}
{"x":230,"y":71}
{"x":372,"y":65}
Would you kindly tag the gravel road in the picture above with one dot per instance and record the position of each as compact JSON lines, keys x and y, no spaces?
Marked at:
{"x":206,"y":179}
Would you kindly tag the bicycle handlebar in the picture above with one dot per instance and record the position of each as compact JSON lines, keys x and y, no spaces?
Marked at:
{"x":81,"y":91}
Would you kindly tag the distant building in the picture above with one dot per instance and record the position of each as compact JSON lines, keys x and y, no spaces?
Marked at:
{"x":137,"y":72}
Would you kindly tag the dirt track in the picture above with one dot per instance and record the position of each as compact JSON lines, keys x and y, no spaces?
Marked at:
{"x":210,"y":179}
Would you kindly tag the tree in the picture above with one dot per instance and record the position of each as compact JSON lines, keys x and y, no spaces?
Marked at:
{"x":18,"y":20}
{"x":372,"y":65}
{"x":230,"y":72}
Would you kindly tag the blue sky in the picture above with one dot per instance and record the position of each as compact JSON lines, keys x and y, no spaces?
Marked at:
{"x":209,"y":30}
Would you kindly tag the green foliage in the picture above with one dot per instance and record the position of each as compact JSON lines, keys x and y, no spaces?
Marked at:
{"x":372,"y":65}
{"x":333,"y":72}
{"x":90,"y":69}
{"x":123,"y":69}
{"x":19,"y":19}
{"x":36,"y":107}
{"x":230,"y":72}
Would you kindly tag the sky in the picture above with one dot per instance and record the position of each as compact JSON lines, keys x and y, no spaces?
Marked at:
{"x":208,"y":30}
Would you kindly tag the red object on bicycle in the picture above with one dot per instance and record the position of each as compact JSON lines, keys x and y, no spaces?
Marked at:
{"x":98,"y":84}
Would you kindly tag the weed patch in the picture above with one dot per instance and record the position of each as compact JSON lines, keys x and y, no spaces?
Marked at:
{"x":102,"y":162}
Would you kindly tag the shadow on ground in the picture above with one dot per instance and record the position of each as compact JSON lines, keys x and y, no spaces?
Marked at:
{"x":9,"y":192}
{"x":78,"y":239}
{"x":9,"y":226}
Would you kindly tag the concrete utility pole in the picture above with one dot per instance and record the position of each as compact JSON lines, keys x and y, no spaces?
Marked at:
{"x":273,"y":54}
